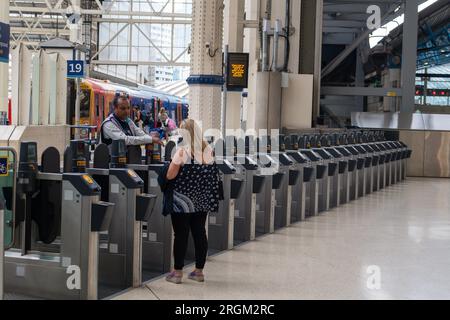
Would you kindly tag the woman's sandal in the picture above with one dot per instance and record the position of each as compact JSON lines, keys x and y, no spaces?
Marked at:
{"x":196,"y":277}
{"x":174,"y":278}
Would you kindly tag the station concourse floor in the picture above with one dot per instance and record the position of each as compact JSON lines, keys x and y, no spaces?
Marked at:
{"x":404,"y":230}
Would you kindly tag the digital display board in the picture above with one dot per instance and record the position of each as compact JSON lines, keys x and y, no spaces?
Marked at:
{"x":237,"y":75}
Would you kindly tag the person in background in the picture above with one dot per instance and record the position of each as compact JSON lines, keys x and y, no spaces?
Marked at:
{"x":190,"y":184}
{"x":137,"y":114}
{"x":167,"y":124}
{"x":148,"y":121}
{"x":119,"y":126}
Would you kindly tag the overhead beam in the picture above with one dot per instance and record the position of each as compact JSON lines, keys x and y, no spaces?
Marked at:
{"x":140,"y":63}
{"x":40,"y":10}
{"x":361,"y":91}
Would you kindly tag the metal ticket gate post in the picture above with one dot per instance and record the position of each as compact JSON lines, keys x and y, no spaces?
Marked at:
{"x":8,"y":180}
{"x":157,"y":243}
{"x":120,"y":262}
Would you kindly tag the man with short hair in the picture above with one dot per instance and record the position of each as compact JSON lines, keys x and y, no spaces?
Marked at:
{"x":119,"y":126}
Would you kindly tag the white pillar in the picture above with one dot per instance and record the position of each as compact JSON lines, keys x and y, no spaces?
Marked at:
{"x":252,"y":45}
{"x":4,"y":66}
{"x":206,"y":78}
{"x":409,"y":56}
{"x":234,"y":15}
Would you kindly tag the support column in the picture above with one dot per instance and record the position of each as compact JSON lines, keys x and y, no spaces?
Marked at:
{"x":409,"y":56}
{"x":4,"y":65}
{"x":359,"y":80}
{"x":252,"y":45}
{"x":310,"y":47}
{"x":206,"y":78}
{"x":234,"y":15}
{"x":318,"y":61}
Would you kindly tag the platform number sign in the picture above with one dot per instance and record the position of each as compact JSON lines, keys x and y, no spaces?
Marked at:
{"x":3,"y":166}
{"x":75,"y":69}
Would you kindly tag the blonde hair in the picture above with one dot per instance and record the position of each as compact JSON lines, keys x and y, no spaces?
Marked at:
{"x":195,"y":139}
{"x":163,"y":114}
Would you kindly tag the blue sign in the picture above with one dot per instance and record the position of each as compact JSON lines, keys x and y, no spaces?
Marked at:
{"x":3,"y":166}
{"x":4,"y":42}
{"x":75,"y":69}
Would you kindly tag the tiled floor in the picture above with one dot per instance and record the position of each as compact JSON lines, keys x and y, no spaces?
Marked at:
{"x":403,"y":230}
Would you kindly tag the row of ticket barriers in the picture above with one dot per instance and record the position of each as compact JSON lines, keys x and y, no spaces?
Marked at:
{"x":94,"y":228}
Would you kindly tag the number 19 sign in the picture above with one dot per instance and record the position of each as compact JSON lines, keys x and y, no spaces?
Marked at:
{"x":75,"y":69}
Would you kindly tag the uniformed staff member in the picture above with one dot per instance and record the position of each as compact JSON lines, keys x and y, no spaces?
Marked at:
{"x":119,"y":126}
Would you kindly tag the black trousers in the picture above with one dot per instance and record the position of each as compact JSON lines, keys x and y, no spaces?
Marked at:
{"x":182,"y":224}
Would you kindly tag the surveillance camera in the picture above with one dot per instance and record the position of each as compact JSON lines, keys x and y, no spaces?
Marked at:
{"x":208,"y":45}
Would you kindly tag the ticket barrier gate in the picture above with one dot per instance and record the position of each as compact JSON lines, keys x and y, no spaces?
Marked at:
{"x":157,"y":243}
{"x":394,"y":162}
{"x":384,"y":165}
{"x":339,"y":186}
{"x":376,"y":167}
{"x":400,"y":164}
{"x":245,"y":210}
{"x":221,"y":224}
{"x":366,"y":181}
{"x":266,"y":200}
{"x":120,"y":261}
{"x":283,"y":195}
{"x":317,"y":172}
{"x":59,"y":218}
{"x":347,"y":173}
{"x":357,"y":164}
{"x":304,"y":173}
{"x":389,"y":166}
{"x":406,"y":156}
{"x":329,"y":179}
{"x":8,"y":179}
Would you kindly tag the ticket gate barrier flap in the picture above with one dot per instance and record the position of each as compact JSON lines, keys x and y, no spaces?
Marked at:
{"x":258,"y":183}
{"x":321,"y":170}
{"x":277,"y":180}
{"x":360,"y":163}
{"x":332,"y":167}
{"x":343,"y":166}
{"x":352,"y":165}
{"x":102,"y":213}
{"x":294,"y":176}
{"x":308,"y":173}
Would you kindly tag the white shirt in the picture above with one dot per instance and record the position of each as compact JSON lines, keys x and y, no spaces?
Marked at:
{"x":113,"y":132}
